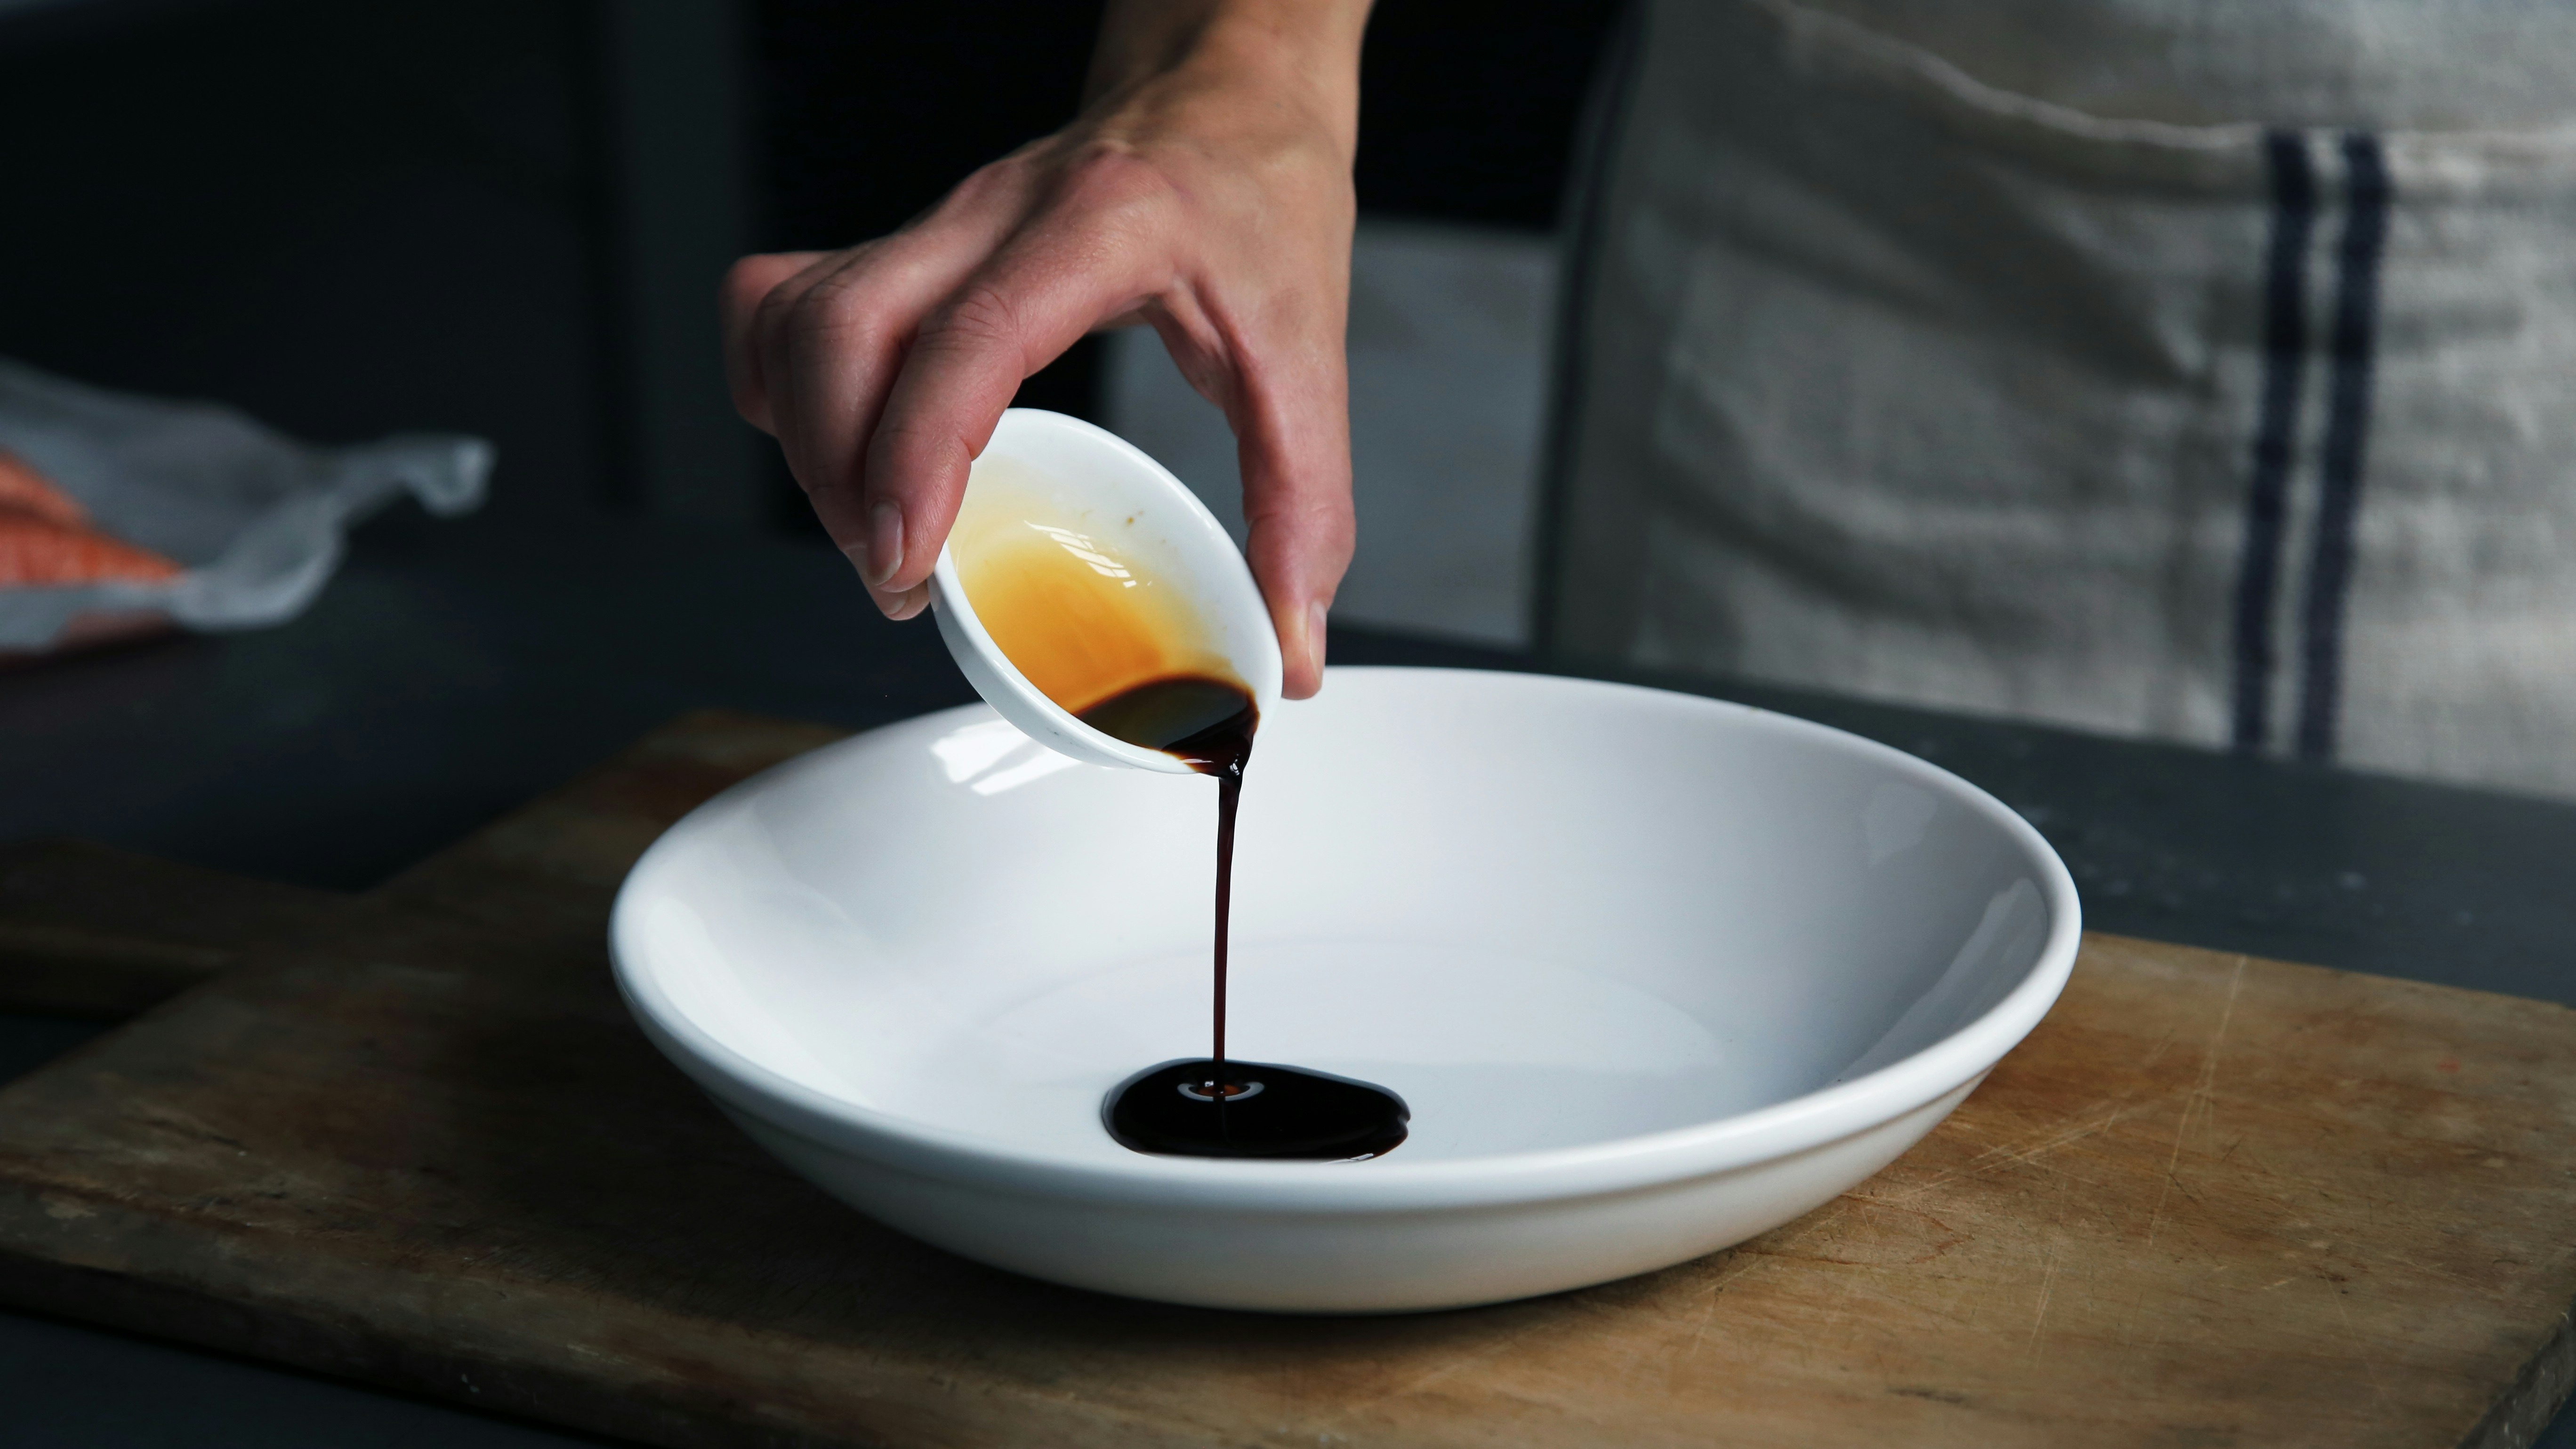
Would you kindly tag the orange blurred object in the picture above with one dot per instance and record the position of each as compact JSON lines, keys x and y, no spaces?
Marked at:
{"x":25,"y":490}
{"x":46,"y":540}
{"x":38,"y":552}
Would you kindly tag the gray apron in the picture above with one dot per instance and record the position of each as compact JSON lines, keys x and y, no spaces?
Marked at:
{"x":2194,"y":371}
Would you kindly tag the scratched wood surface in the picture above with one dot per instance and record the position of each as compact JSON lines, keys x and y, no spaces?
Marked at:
{"x":2211,"y":1201}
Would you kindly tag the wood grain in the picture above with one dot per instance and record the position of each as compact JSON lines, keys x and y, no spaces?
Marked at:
{"x":2212,"y":1201}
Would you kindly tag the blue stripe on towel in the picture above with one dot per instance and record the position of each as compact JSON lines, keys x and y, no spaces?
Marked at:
{"x":2356,"y":324}
{"x":2285,"y":346}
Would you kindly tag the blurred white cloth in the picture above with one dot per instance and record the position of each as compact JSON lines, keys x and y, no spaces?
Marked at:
{"x":254,"y":517}
{"x":2216,"y":387}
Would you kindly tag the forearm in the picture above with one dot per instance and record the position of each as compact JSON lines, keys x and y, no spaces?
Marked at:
{"x":1295,"y":52}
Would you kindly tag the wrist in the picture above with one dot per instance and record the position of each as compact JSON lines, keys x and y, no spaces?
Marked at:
{"x":1299,"y":54}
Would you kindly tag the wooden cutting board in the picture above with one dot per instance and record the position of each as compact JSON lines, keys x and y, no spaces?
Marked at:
{"x":412,"y":1138}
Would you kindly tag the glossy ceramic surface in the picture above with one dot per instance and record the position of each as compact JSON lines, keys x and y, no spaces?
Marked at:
{"x":1655,"y":973}
{"x":1087,"y":479}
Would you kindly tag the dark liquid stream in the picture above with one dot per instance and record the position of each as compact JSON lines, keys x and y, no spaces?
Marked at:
{"x":1215,"y":1107}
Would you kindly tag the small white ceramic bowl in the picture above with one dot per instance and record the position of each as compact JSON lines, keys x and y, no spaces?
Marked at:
{"x":1094,"y":483}
{"x":1655,"y":973}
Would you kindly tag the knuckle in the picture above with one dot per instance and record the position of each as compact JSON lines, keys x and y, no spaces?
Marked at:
{"x":775,"y":311}
{"x":990,"y":181}
{"x":840,"y":310}
{"x":1110,"y":177}
{"x":978,"y":316}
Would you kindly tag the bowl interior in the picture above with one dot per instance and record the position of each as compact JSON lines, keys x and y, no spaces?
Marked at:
{"x":1547,"y":913}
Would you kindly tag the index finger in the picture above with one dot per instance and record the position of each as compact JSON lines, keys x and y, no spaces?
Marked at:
{"x":1036,"y":298}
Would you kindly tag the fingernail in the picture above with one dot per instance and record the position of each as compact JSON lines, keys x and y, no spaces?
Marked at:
{"x":885,"y":542}
{"x":1315,"y":631}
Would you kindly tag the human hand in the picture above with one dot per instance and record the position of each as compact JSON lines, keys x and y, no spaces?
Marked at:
{"x":1206,"y":190}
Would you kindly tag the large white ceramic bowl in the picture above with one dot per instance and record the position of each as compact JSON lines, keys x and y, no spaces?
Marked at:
{"x":1655,"y":973}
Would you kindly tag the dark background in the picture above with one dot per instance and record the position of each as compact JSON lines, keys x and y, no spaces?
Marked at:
{"x":1467,"y":111}
{"x":353,"y":219}
{"x":1467,"y":115}
{"x":347,"y":219}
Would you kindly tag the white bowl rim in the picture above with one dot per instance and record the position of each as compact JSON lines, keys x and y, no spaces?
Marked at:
{"x":1391,"y":1184}
{"x":948,"y":595}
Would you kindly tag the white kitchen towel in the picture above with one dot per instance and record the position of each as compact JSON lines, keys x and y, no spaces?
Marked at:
{"x":2218,"y":385}
{"x":254,"y":517}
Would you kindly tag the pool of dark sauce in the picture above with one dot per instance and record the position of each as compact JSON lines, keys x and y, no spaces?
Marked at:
{"x":1215,"y":1106}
